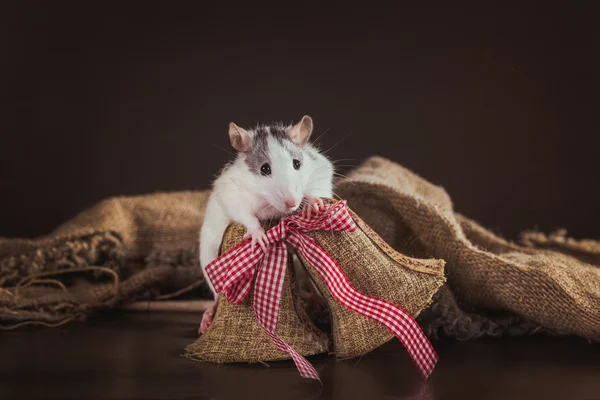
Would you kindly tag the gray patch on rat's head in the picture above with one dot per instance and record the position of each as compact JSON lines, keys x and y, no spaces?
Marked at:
{"x":259,"y":150}
{"x":295,"y":151}
{"x":258,"y":154}
{"x":280,"y":133}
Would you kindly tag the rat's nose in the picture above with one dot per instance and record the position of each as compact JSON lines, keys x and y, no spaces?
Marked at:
{"x":290,"y":203}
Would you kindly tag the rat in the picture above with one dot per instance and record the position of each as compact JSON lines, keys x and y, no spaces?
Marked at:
{"x":275,"y":173}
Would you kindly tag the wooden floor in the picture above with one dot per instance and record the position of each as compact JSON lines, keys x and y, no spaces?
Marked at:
{"x":138,"y":356}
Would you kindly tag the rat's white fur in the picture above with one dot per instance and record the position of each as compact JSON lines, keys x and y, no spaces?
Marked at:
{"x":242,"y":196}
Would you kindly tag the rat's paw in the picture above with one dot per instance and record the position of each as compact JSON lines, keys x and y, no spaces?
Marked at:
{"x":207,"y":319}
{"x":259,"y":236}
{"x":312,"y":206}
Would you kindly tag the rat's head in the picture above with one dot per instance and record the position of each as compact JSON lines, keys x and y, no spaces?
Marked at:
{"x":274,"y":155}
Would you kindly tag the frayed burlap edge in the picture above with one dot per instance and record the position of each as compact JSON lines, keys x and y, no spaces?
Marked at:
{"x":445,"y":317}
{"x":96,"y":248}
{"x":586,"y":250}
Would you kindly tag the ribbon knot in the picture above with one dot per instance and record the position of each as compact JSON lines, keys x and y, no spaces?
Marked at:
{"x":233,"y":272}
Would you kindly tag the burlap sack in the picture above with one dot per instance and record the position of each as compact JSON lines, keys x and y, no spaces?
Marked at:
{"x":372,"y":266}
{"x":374,"y":269}
{"x":552,"y":289}
{"x":236,"y":336}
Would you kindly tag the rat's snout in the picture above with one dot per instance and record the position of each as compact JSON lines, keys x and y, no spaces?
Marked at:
{"x":291,"y":203}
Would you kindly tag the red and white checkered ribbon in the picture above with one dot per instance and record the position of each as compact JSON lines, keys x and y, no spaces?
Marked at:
{"x":232,"y":274}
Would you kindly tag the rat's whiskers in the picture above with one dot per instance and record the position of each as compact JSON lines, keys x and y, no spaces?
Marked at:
{"x":337,"y":143}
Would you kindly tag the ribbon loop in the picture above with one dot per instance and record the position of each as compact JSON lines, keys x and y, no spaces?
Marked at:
{"x":233,"y":272}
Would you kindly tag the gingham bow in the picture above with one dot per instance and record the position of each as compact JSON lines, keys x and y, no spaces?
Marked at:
{"x":232,"y":273}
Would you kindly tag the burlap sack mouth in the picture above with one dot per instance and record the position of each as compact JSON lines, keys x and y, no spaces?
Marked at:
{"x":376,"y":270}
{"x":551,"y":289}
{"x":235,"y":336}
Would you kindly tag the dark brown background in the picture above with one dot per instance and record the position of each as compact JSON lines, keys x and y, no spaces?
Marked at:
{"x":497,"y":105}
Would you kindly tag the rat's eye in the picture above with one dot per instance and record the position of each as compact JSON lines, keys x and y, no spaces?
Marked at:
{"x":265,"y":169}
{"x":297,"y":164}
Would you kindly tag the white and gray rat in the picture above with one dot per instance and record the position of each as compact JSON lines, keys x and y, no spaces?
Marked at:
{"x":276,"y":171}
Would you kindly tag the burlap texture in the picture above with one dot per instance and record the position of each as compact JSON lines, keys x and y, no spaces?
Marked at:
{"x":374,"y":269}
{"x":551,"y":281}
{"x":549,"y":288}
{"x":585,"y":250}
{"x":121,"y":249}
{"x":236,"y":336}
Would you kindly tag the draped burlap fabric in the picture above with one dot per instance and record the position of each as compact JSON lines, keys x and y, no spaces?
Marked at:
{"x":549,"y":282}
{"x":144,"y":246}
{"x":121,"y":249}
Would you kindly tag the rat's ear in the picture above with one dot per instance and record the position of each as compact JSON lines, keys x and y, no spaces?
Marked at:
{"x":239,"y":137}
{"x":300,"y":133}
